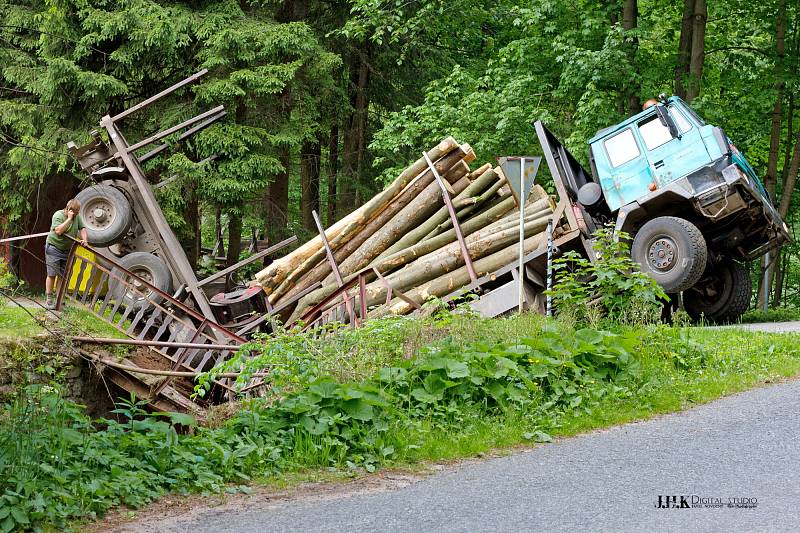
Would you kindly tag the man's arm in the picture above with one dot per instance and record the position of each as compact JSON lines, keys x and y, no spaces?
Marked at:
{"x":84,"y":237}
{"x":64,"y":226}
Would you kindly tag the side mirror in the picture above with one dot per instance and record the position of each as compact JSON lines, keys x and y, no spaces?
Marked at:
{"x":667,"y":122}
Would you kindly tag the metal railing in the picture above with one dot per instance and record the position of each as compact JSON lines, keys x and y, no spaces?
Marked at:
{"x":141,"y":311}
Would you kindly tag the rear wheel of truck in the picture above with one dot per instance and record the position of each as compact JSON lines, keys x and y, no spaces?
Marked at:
{"x":147,"y":267}
{"x":671,"y":250}
{"x":733,"y":290}
{"x":722,"y":295}
{"x":106,"y":213}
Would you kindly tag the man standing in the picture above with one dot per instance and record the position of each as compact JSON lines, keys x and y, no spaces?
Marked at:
{"x":66,"y":223}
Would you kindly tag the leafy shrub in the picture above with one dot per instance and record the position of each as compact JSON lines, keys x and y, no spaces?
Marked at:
{"x":6,"y":277}
{"x":610,"y":288}
{"x":778,"y":314}
{"x":64,"y":466}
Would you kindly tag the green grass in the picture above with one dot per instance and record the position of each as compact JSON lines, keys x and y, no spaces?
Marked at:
{"x":20,"y":324}
{"x":16,"y":323}
{"x":472,"y":386}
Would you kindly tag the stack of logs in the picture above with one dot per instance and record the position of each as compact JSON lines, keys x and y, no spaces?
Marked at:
{"x":407,"y":234}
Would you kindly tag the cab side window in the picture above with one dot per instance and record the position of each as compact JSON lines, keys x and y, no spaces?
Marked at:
{"x":653,"y":132}
{"x":621,"y":148}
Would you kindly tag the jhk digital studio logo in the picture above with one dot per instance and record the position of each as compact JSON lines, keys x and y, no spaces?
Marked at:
{"x":704,"y":502}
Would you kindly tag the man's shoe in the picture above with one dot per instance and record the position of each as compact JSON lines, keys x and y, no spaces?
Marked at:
{"x":50,"y":302}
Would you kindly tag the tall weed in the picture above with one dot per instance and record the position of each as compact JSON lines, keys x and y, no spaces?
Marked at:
{"x":611,"y":288}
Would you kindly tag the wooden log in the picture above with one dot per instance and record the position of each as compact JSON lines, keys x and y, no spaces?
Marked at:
{"x":417,"y":234}
{"x":478,"y":172}
{"x":449,"y":258}
{"x":323,"y":268}
{"x":410,"y":254}
{"x":485,"y":202}
{"x":410,"y":216}
{"x":452,"y":281}
{"x":276,"y":272}
{"x":464,"y":152}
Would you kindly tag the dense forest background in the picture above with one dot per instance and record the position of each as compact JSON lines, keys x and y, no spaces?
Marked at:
{"x":326,"y":99}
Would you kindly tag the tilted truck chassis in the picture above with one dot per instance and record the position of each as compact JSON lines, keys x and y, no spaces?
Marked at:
{"x":692,"y":227}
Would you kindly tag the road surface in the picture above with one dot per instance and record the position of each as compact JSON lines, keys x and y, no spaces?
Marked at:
{"x":745,"y":446}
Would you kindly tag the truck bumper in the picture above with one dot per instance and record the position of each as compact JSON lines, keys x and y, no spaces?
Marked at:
{"x":725,"y":201}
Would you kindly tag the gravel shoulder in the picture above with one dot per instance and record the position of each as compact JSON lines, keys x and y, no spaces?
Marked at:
{"x":742,"y":446}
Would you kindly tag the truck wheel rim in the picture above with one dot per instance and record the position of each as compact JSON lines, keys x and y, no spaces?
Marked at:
{"x":99,"y":214}
{"x":662,"y":254}
{"x":143,"y":290}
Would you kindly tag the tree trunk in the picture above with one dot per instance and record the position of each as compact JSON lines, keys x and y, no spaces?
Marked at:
{"x":630,"y":14}
{"x":684,"y":49}
{"x":771,"y":178}
{"x":486,"y":226}
{"x":193,"y":218}
{"x":416,"y":234}
{"x":355,"y":132}
{"x":791,"y":180}
{"x":279,"y":199}
{"x":333,"y":171}
{"x":277,"y":272}
{"x":234,"y":238}
{"x":787,"y":151}
{"x":309,"y":182}
{"x":420,"y":208}
{"x":698,"y":54}
{"x":446,"y":284}
{"x":449,"y":258}
{"x":219,"y":244}
{"x":779,"y":272}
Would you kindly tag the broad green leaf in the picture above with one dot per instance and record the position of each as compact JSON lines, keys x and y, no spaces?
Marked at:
{"x":358,"y":409}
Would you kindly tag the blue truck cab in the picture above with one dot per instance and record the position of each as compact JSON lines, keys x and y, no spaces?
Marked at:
{"x":694,"y":206}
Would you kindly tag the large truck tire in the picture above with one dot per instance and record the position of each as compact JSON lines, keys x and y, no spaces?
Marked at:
{"x":739,"y":298}
{"x":712,"y":295}
{"x":146,"y":266}
{"x":671,"y":250}
{"x":106,"y":213}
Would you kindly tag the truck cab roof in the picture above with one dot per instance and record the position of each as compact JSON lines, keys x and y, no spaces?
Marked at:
{"x":638,"y":116}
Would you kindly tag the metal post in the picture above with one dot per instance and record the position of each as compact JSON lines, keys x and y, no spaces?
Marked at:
{"x":549,"y":299}
{"x":521,"y":279}
{"x":334,"y":267}
{"x":765,"y":282}
{"x":456,"y":226}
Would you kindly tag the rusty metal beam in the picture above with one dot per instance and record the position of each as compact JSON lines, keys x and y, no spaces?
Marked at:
{"x":334,"y":266}
{"x":144,"y":103}
{"x":167,"y":240}
{"x":183,"y":136}
{"x":456,"y":226}
{"x":252,"y":258}
{"x":158,"y":344}
{"x":169,"y":131}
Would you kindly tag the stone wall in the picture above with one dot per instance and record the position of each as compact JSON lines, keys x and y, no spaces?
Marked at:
{"x":33,"y":361}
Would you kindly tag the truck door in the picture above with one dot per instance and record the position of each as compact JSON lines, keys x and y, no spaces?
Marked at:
{"x":622,"y":168}
{"x":671,"y":158}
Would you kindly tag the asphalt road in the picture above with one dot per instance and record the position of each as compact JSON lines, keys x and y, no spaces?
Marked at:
{"x":742,"y":446}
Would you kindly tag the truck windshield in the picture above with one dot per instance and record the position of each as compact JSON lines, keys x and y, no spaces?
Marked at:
{"x":694,"y":115}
